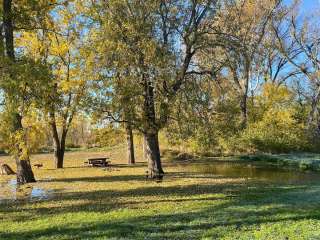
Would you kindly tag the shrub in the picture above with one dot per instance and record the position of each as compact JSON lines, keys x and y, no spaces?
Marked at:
{"x":277,"y":132}
{"x":108,"y":137}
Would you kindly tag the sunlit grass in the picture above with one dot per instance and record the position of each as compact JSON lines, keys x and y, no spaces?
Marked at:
{"x":118,"y":203}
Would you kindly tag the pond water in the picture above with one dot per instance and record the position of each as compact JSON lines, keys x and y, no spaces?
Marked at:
{"x":256,"y":172}
{"x":11,"y":191}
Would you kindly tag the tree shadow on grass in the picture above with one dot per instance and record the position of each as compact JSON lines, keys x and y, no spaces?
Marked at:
{"x":181,"y":225}
{"x":230,"y":205}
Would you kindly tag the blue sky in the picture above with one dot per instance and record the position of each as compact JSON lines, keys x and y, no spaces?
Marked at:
{"x":310,"y":4}
{"x":307,"y":5}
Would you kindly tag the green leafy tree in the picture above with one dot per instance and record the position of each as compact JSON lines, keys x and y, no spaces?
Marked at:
{"x":58,"y":44}
{"x":24,"y":82}
{"x":152,"y":44}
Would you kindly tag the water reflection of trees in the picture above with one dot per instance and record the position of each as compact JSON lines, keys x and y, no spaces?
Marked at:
{"x":255,"y":172}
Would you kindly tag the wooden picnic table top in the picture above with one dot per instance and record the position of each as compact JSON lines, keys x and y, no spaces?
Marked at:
{"x":98,"y":158}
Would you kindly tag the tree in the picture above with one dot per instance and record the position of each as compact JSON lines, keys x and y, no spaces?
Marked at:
{"x":303,"y":40}
{"x":237,"y":40}
{"x":155,"y":42}
{"x":24,"y":171}
{"x":57,"y":43}
{"x":24,"y":83}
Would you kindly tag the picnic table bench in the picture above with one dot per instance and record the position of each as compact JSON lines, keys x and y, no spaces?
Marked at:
{"x":98,"y":162}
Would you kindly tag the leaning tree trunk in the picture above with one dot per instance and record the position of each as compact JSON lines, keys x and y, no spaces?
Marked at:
{"x":130,"y":145}
{"x":24,"y":170}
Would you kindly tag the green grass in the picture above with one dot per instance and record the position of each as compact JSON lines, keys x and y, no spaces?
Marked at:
{"x":89,"y":203}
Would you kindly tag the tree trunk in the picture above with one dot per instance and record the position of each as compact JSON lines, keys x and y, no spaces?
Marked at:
{"x":144,"y":148}
{"x":244,"y":111}
{"x":1,"y":41}
{"x":155,"y":170}
{"x":24,"y":170}
{"x":313,"y":110}
{"x":59,"y":150}
{"x":58,"y":145}
{"x":62,"y":148}
{"x":8,"y":28}
{"x":130,"y":145}
{"x":151,"y":130}
{"x":58,"y":157}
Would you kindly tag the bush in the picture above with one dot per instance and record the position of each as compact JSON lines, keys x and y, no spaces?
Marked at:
{"x":108,"y":137}
{"x":72,"y":145}
{"x":260,"y":157}
{"x":277,"y":132}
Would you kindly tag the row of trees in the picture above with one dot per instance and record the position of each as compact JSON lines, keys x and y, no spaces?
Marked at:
{"x":207,"y":71}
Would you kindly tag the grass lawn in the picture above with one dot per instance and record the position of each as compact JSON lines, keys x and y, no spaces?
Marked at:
{"x":92,"y":203}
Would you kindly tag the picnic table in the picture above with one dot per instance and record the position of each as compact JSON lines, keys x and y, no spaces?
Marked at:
{"x":98,"y":162}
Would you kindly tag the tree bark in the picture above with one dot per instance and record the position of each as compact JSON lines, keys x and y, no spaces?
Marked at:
{"x":144,"y":148}
{"x":24,"y":170}
{"x":151,"y":130}
{"x":244,"y":111}
{"x":155,"y":170}
{"x":130,"y":144}
{"x":58,"y":157}
{"x":8,"y":28}
{"x":1,"y":41}
{"x":313,"y":110}
{"x":58,"y":144}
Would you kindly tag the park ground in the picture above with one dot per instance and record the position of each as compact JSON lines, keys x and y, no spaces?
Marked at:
{"x":79,"y":202}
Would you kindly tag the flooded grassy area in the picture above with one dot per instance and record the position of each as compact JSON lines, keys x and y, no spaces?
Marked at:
{"x":196,"y":200}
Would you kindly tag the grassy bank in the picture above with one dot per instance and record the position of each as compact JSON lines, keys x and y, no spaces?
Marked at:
{"x":118,"y":203}
{"x":303,"y":161}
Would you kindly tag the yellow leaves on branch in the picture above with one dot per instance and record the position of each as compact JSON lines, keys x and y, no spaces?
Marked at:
{"x":273,"y":94}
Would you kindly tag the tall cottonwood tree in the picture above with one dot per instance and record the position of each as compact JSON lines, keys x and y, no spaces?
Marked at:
{"x":155,"y":41}
{"x":24,"y":171}
{"x":24,"y":83}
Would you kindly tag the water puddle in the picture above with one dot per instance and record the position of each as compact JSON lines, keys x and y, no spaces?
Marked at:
{"x":11,"y":191}
{"x":248,"y":171}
